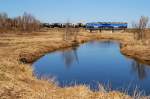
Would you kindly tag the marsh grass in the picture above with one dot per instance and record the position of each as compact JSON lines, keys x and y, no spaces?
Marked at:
{"x":17,"y":79}
{"x":84,"y":91}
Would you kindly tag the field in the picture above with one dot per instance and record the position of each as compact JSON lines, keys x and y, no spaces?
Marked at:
{"x":18,"y":51}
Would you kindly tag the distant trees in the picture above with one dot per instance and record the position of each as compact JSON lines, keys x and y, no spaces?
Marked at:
{"x":26,"y":22}
{"x":3,"y":20}
{"x":140,"y":28}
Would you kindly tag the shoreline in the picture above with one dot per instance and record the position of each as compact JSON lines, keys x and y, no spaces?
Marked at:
{"x":137,"y":55}
{"x":131,"y":53}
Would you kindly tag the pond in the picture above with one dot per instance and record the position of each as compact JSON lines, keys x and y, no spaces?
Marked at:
{"x":92,"y":64}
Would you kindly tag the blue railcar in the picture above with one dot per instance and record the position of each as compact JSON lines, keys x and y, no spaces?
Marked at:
{"x":106,"y":25}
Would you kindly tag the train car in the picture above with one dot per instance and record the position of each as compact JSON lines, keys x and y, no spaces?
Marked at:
{"x":106,"y":25}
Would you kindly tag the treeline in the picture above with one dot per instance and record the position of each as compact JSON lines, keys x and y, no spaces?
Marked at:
{"x":26,"y":23}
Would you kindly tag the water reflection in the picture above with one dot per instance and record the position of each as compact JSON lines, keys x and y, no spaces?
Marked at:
{"x":140,"y":69}
{"x":103,"y":44}
{"x":70,"y":56}
{"x":106,"y":44}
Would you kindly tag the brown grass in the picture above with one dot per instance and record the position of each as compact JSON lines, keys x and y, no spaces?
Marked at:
{"x":17,"y":80}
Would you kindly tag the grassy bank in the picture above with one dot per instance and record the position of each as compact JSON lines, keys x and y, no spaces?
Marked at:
{"x":17,"y":79}
{"x":138,"y":51}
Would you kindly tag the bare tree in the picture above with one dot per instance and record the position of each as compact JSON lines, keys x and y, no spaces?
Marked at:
{"x":140,"y":27}
{"x":143,"y":25}
{"x":76,"y":33}
{"x":71,"y":32}
{"x":29,"y":22}
{"x":17,"y":24}
{"x":3,"y":20}
{"x":135,"y":30}
{"x":66,"y":32}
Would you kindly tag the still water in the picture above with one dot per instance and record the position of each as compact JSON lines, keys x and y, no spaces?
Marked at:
{"x":94,"y":63}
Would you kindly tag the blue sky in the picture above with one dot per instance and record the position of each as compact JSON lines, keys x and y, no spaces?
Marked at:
{"x":78,"y":10}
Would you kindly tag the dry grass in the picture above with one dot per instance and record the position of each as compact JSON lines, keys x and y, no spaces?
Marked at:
{"x":17,"y":80}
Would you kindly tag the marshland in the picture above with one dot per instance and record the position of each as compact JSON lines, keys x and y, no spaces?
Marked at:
{"x":68,"y":60}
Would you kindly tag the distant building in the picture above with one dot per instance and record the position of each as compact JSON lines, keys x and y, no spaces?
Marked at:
{"x":106,"y":25}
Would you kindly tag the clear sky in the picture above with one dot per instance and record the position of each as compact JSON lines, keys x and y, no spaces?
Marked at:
{"x":78,"y":10}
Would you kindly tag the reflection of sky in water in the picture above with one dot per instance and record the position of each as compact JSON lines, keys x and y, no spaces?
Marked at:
{"x":92,"y":63}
